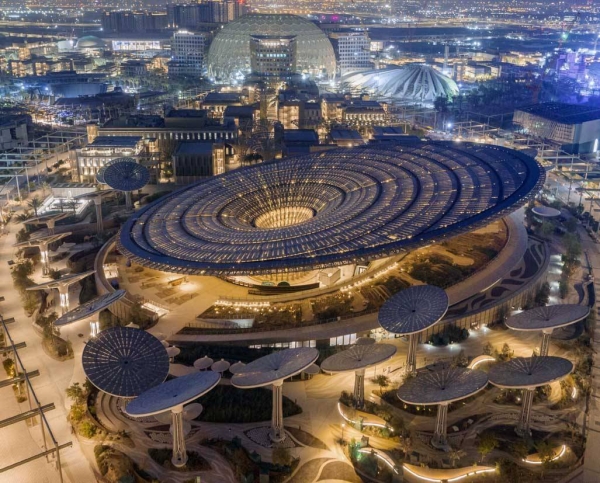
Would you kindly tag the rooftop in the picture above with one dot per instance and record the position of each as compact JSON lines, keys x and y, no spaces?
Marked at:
{"x":564,"y":113}
{"x":194,"y":147}
{"x":115,"y":142}
{"x":440,"y":189}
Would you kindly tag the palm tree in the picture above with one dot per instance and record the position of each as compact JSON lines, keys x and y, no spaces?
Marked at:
{"x":34,"y":204}
{"x":456,"y":455}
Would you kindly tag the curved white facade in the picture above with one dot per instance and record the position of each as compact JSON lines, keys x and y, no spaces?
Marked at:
{"x":412,"y":82}
{"x":229,"y":53}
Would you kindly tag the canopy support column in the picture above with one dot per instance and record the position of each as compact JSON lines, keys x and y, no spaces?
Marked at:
{"x":359,"y":388}
{"x":524,"y":419}
{"x":439,"y":440}
{"x":277,"y":431}
{"x":180,"y":457}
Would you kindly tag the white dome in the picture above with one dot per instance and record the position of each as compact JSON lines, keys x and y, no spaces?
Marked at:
{"x":229,"y":52}
{"x":90,"y":42}
{"x":411,"y":82}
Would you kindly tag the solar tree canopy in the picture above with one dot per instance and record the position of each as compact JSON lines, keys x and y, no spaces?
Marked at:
{"x":330,"y":209}
{"x":173,"y":393}
{"x":548,"y":317}
{"x":413,"y":309}
{"x":237,"y":367}
{"x":90,"y":308}
{"x":125,"y":174}
{"x":63,"y":281}
{"x":275,"y":367}
{"x":100,"y":175}
{"x":529,"y":372}
{"x":545,"y":211}
{"x":47,"y":218}
{"x":203,"y":363}
{"x":442,"y":386}
{"x":125,"y":362}
{"x":45,"y":238}
{"x":358,"y":357}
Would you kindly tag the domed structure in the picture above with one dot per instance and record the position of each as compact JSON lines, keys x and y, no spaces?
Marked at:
{"x":90,"y":42}
{"x":229,"y":53}
{"x":420,"y":83}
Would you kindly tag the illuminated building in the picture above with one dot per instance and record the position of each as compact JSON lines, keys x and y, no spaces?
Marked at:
{"x":229,"y":53}
{"x":273,"y":57}
{"x":187,"y":51}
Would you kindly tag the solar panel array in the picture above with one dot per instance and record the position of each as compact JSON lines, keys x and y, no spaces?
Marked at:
{"x":89,"y":308}
{"x":442,"y":386}
{"x":368,"y":202}
{"x":125,"y":362}
{"x":358,"y":357}
{"x":413,"y":309}
{"x":125,"y":174}
{"x":529,"y":372}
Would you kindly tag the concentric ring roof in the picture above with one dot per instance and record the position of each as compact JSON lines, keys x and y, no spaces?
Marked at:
{"x":125,"y":174}
{"x":442,"y":386}
{"x":173,"y":393}
{"x":90,"y":308}
{"x":125,"y":362}
{"x":548,"y":317}
{"x":275,"y":367}
{"x":411,"y":82}
{"x":413,"y":309}
{"x":229,"y":53}
{"x":529,"y":372}
{"x":546,"y":211}
{"x":358,"y":357}
{"x":367,"y":202}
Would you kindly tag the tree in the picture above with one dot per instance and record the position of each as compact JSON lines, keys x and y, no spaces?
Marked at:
{"x":383,"y":381}
{"x":34,"y":204}
{"x":486,"y":444}
{"x":546,"y":229}
{"x":281,"y":456}
{"x":507,"y":353}
{"x":75,"y":392}
{"x":487,"y":349}
{"x":520,"y":449}
{"x":456,"y":455}
{"x":542,"y":296}
{"x":571,"y":225}
{"x":546,"y":454}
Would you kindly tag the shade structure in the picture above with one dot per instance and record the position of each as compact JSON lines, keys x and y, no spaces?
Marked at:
{"x":100,"y":175}
{"x":192,"y":411}
{"x":203,"y":363}
{"x":545,"y":212}
{"x":220,"y":366}
{"x":527,"y":373}
{"x":417,"y":83}
{"x":63,"y":284}
{"x":97,"y":197}
{"x":272,"y":369}
{"x":173,"y":395}
{"x":411,"y":311}
{"x":546,"y":319}
{"x":48,"y":220}
{"x":241,"y":222}
{"x":312,"y":370}
{"x":90,"y":308}
{"x":125,"y":174}
{"x":173,"y":351}
{"x":365,"y":341}
{"x":237,"y":367}
{"x":125,"y":362}
{"x":43,"y":240}
{"x":442,"y":387}
{"x":356,"y":359}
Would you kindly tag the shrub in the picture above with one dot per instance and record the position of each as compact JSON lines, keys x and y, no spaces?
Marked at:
{"x":88,"y":429}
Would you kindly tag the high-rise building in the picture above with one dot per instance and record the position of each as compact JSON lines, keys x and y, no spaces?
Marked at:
{"x":189,"y":15}
{"x":187,"y":52}
{"x":273,"y":56}
{"x":126,"y":21}
{"x":353,"y":52}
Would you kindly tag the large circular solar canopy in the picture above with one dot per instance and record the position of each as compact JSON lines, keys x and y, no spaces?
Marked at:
{"x":90,"y":308}
{"x":413,"y":309}
{"x":125,"y":174}
{"x":125,"y":362}
{"x":529,"y":372}
{"x":358,"y":357}
{"x":442,"y":386}
{"x":334,"y":208}
{"x":548,"y":317}
{"x":275,"y":367}
{"x":173,"y":393}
